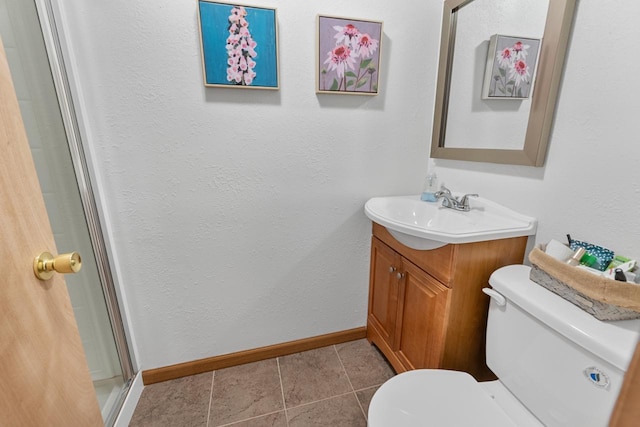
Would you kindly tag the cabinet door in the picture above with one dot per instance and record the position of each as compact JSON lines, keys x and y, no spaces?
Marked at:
{"x":383,"y":290}
{"x":423,"y":307}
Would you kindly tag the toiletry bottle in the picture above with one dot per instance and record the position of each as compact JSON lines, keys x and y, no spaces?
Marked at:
{"x":576,"y":257}
{"x":430,"y":187}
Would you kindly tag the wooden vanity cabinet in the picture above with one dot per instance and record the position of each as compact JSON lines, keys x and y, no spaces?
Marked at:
{"x":426,"y":308}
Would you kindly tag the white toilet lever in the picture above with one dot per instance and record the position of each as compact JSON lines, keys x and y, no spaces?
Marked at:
{"x":499,"y":299}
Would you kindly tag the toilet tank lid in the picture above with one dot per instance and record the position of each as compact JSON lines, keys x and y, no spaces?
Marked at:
{"x":613,"y":341}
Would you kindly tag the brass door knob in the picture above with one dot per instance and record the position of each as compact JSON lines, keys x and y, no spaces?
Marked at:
{"x":46,"y":264}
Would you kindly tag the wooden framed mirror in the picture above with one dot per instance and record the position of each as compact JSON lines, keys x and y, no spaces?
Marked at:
{"x":526,"y":144}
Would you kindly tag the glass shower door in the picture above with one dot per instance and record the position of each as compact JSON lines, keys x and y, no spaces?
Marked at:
{"x":91,"y":289}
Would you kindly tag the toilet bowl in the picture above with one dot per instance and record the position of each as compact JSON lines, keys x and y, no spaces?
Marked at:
{"x":432,"y":397}
{"x":556,"y":364}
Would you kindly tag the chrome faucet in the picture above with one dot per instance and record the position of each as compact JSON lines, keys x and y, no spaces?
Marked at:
{"x":453,"y":202}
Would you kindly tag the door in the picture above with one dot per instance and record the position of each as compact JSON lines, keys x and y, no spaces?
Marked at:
{"x":44,"y":375}
{"x":422,"y":314}
{"x":34,"y":54}
{"x":383,"y":290}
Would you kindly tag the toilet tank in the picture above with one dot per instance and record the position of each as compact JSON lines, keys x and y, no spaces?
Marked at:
{"x":563,"y":364}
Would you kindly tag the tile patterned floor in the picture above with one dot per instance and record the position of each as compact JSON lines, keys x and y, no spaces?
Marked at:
{"x":329,"y":386}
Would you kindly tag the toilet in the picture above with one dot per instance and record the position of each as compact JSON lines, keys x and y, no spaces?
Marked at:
{"x":556,"y":366}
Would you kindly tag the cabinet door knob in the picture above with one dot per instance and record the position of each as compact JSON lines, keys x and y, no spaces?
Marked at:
{"x":400,"y":275}
{"x":392,"y":269}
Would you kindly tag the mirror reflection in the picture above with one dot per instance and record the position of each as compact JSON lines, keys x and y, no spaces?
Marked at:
{"x":499,"y":73}
{"x":473,"y":122}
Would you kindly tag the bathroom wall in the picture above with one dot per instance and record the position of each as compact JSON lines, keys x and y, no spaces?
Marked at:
{"x":237,"y":215}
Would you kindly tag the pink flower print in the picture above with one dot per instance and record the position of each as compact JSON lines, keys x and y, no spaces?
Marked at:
{"x":504,"y":57}
{"x":347,"y":35}
{"x":251,"y":48}
{"x":240,"y":48}
{"x":519,"y":72}
{"x":520,"y":50}
{"x":248,"y":77}
{"x":366,"y":45}
{"x":350,"y":30}
{"x":238,"y":11}
{"x":347,"y":66}
{"x":234,"y":75}
{"x":340,"y":59}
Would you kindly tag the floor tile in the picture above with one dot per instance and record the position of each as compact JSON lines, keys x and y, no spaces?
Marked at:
{"x":365,"y":365}
{"x":316,"y":384}
{"x":365,"y":396}
{"x":341,"y":411}
{"x":312,"y":375}
{"x":245,"y":391}
{"x":277,"y":419}
{"x":180,"y":402}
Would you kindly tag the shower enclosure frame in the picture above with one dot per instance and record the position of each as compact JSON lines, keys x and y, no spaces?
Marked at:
{"x":83,"y":173}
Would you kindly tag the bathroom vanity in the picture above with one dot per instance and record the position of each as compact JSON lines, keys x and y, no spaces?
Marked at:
{"x":426,"y":307}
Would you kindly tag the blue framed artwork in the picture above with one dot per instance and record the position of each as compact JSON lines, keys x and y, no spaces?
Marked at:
{"x":239,"y":45}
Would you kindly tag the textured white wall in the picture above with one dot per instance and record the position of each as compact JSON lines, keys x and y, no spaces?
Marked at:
{"x":237,"y":215}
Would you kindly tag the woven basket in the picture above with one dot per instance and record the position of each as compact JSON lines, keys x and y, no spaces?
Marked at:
{"x":597,"y":292}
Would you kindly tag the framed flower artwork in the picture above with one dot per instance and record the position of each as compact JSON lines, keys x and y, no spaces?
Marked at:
{"x":239,"y":45}
{"x":348,"y":56}
{"x":511,"y":66}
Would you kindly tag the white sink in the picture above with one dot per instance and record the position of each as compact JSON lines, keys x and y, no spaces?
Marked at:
{"x":428,"y":225}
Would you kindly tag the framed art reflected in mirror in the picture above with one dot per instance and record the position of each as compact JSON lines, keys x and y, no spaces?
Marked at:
{"x":470,"y":126}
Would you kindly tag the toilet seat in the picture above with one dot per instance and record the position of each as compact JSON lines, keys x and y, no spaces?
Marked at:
{"x":433,"y":397}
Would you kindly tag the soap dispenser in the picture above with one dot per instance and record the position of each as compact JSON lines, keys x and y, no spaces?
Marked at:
{"x":430,"y":185}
